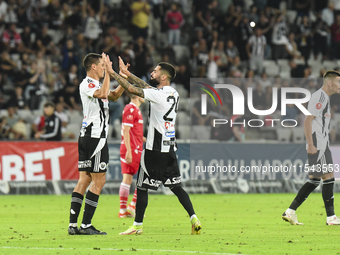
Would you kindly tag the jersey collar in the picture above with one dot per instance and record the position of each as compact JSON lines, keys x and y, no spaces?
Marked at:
{"x":96,"y":82}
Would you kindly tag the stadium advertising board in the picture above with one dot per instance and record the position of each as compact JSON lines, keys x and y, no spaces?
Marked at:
{"x":29,"y":168}
{"x":38,"y":161}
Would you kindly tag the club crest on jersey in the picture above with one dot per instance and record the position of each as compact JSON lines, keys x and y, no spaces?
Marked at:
{"x":91,"y":85}
{"x":102,"y":166}
{"x":168,"y":125}
{"x":318,"y":106}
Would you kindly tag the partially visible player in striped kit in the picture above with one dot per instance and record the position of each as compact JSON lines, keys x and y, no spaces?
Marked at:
{"x":320,"y":160}
{"x":92,"y":144}
{"x":158,"y":161}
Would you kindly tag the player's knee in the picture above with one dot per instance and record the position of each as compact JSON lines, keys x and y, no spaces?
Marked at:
{"x":103,"y":181}
{"x":85,"y":180}
{"x":315,"y":181}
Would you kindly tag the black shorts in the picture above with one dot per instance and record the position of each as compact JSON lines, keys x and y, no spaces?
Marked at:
{"x":320,"y":164}
{"x":158,"y":167}
{"x":93,"y":154}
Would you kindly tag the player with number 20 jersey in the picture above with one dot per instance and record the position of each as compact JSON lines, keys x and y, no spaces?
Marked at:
{"x":158,"y":161}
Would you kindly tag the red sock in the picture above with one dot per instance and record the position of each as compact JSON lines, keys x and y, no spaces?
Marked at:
{"x":134,"y":199}
{"x":123,"y":195}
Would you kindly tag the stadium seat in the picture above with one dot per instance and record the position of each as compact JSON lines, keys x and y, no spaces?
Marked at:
{"x":283,"y":134}
{"x":26,"y":115}
{"x":299,"y":61}
{"x":284,"y":65}
{"x":28,"y":130}
{"x":74,"y":128}
{"x":182,"y":52}
{"x":114,"y":3}
{"x":271,"y":67}
{"x":3,"y":112}
{"x":183,"y":118}
{"x":184,"y":104}
{"x":329,"y":64}
{"x":298,"y":135}
{"x":75,"y":117}
{"x":336,"y":118}
{"x":201,"y":132}
{"x":183,"y":93}
{"x":183,"y":132}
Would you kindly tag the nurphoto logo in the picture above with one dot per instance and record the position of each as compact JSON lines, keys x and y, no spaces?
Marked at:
{"x":238,"y":104}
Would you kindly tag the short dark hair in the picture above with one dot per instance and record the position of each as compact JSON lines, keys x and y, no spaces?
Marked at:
{"x":89,"y":59}
{"x":49,"y":104}
{"x":169,"y":69}
{"x":331,"y":74}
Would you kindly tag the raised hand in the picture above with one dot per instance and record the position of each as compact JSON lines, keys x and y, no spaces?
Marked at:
{"x":123,"y":69}
{"x":108,"y":64}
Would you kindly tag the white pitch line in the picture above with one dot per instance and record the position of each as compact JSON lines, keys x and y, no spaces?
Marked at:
{"x":114,"y":249}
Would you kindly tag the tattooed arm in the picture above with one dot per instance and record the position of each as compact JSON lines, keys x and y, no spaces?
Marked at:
{"x":130,"y":77}
{"x":138,"y":82}
{"x":126,"y":85}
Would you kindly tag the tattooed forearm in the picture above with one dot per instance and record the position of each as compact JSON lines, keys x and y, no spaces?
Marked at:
{"x":138,"y":82}
{"x":126,"y":85}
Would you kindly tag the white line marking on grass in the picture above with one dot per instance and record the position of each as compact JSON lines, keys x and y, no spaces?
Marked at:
{"x":113,"y":249}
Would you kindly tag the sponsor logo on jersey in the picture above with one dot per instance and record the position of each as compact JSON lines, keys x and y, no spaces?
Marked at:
{"x":91,"y":85}
{"x":168,"y":143}
{"x":84,"y":164}
{"x":327,"y":115}
{"x":152,"y":182}
{"x":140,"y":121}
{"x":174,"y":180}
{"x":129,"y":117}
{"x":318,"y":106}
{"x":51,"y":123}
{"x":170,"y":134}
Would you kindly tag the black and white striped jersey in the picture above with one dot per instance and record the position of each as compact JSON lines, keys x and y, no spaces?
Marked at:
{"x":257,"y":45}
{"x":162,"y":117}
{"x":319,"y":106}
{"x":95,"y":110}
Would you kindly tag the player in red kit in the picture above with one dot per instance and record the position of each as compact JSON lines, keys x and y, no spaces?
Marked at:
{"x":130,"y":152}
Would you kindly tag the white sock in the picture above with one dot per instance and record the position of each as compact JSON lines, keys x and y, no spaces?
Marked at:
{"x":122,"y":210}
{"x":331,"y":217}
{"x":193,"y":216}
{"x":86,"y":225}
{"x":290,"y":211}
{"x":73,"y":225}
{"x":137,"y":223}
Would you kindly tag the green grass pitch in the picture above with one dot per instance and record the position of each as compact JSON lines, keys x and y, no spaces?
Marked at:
{"x":232,"y":224}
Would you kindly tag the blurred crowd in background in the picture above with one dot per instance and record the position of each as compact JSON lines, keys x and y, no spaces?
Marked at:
{"x":268,"y":42}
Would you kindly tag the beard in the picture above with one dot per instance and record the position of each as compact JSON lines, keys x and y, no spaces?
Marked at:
{"x":153,"y":82}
